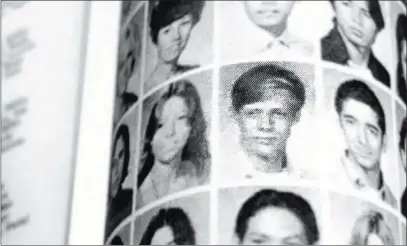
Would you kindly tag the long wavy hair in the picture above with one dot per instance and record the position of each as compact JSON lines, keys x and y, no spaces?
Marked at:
{"x":196,"y":150}
{"x":371,"y":222}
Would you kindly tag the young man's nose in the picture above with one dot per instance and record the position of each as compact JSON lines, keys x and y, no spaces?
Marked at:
{"x":361,"y":136}
{"x":265,"y":122}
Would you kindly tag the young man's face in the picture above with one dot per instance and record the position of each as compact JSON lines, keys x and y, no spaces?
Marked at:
{"x":268,"y":13}
{"x":363,"y":135}
{"x":355,"y":22}
{"x":265,"y":126}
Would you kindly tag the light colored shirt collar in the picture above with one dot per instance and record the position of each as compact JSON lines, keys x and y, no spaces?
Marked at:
{"x":250,"y":172}
{"x":359,"y":182}
{"x":283,"y":40}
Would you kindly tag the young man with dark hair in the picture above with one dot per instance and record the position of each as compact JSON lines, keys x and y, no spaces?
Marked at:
{"x":356,"y":26}
{"x":363,"y":123}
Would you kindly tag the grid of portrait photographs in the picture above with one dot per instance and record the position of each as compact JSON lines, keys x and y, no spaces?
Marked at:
{"x":259,"y":122}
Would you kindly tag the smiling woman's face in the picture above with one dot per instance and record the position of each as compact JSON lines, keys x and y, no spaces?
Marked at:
{"x":173,"y":130}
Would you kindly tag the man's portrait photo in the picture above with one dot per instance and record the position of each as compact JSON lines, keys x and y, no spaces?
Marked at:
{"x":262,"y":106}
{"x":356,"y":28}
{"x":360,"y":139}
{"x":266,"y":29}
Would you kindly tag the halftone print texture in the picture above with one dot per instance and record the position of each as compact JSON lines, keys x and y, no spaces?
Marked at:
{"x":260,"y":122}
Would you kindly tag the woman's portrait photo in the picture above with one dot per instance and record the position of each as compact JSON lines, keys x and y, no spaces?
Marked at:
{"x":129,"y":67}
{"x":266,"y":29}
{"x":183,"y":221}
{"x":399,"y":21}
{"x":180,"y":39}
{"x":359,"y":222}
{"x":119,"y":198}
{"x":175,"y":149}
{"x":356,"y":37}
{"x":269,"y":216}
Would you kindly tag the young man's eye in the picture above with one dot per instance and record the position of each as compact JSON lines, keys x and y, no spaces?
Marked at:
{"x":252,"y":112}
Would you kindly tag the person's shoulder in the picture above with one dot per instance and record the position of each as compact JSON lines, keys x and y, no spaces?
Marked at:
{"x":379,"y":71}
{"x":304,"y":46}
{"x":333,"y":48}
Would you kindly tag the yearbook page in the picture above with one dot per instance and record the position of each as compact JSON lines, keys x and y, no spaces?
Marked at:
{"x":41,"y":82}
{"x":259,"y":122}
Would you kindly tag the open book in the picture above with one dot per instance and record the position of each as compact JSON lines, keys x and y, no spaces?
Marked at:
{"x":203,"y":122}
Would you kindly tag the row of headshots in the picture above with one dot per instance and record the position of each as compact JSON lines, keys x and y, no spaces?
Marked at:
{"x":271,"y":132}
{"x":264,"y":215}
{"x":353,"y":34}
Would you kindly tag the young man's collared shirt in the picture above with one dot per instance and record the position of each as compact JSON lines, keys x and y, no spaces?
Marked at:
{"x":345,"y":175}
{"x":238,"y":166}
{"x":287,"y":44}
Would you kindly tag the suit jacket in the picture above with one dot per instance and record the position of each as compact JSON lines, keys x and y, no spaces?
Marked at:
{"x":333,"y":49}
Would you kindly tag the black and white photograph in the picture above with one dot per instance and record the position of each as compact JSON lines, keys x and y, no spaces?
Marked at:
{"x":179,"y":39}
{"x":399,"y":23}
{"x":266,"y":121}
{"x":359,"y":138}
{"x":128,"y":76}
{"x":402,"y":147}
{"x":270,"y":216}
{"x":357,"y":222}
{"x":358,"y":37}
{"x":123,"y":163}
{"x":175,"y":153}
{"x":268,"y":29}
{"x":403,"y":234}
{"x":127,"y":8}
{"x":122,"y":237}
{"x":183,"y":221}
